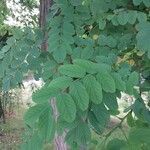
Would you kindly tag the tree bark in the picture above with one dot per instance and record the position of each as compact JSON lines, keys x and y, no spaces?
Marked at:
{"x":2,"y":113}
{"x":44,"y":10}
{"x":59,"y":140}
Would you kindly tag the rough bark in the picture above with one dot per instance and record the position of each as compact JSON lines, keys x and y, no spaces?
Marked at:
{"x":2,"y":114}
{"x":59,"y":140}
{"x":44,"y":10}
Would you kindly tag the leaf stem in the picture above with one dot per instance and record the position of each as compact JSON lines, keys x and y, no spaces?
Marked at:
{"x":116,"y":127}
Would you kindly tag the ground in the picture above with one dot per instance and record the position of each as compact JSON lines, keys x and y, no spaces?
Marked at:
{"x":10,"y":133}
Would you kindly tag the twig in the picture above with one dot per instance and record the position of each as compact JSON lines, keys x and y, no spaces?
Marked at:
{"x":124,"y":134}
{"x":116,"y":127}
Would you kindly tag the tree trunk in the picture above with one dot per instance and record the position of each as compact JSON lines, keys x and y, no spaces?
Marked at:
{"x":44,"y":10}
{"x":2,"y":113}
{"x":59,"y":140}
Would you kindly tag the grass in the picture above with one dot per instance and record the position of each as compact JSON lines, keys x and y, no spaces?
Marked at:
{"x":10,"y":133}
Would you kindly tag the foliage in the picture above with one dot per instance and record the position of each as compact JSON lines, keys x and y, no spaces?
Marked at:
{"x":29,"y":3}
{"x":96,"y":50}
{"x":4,"y":12}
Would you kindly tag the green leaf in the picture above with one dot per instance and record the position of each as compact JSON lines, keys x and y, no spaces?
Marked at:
{"x":44,"y":94}
{"x":33,"y":113}
{"x":60,"y":54}
{"x":46,"y":125}
{"x":62,"y":124}
{"x":149,"y":54}
{"x":81,"y":135}
{"x":137,"y":2}
{"x":142,"y":17}
{"x":145,"y":86}
{"x":2,"y":70}
{"x":95,"y":123}
{"x":99,"y":7}
{"x":130,"y":120}
{"x":66,"y":107}
{"x":107,"y":82}
{"x":1,"y":55}
{"x":109,"y":41}
{"x":114,"y":20}
{"x":94,"y":89}
{"x":102,"y":24}
{"x":147,"y":3}
{"x":120,"y":84}
{"x":110,"y":100}
{"x":91,"y":67}
{"x":132,"y":16}
{"x":19,"y":76}
{"x":80,"y":95}
{"x":76,"y":2}
{"x":68,"y":28}
{"x":5,"y":48}
{"x":49,"y":91}
{"x":11,"y":41}
{"x":143,"y":39}
{"x":139,"y":137}
{"x":87,"y":53}
{"x":102,"y":115}
{"x":6,"y":83}
{"x":138,"y":108}
{"x":129,"y":88}
{"x":122,"y":18}
{"x":146,"y":115}
{"x":134,"y":78}
{"x":74,"y":71}
{"x":116,"y":144}
{"x":34,"y":142}
{"x":60,"y":83}
{"x":132,"y":81}
{"x":76,"y":53}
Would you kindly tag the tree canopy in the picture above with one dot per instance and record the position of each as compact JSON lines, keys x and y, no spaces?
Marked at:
{"x":97,"y":49}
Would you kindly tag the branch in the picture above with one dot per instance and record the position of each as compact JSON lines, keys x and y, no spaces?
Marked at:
{"x":116,"y":127}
